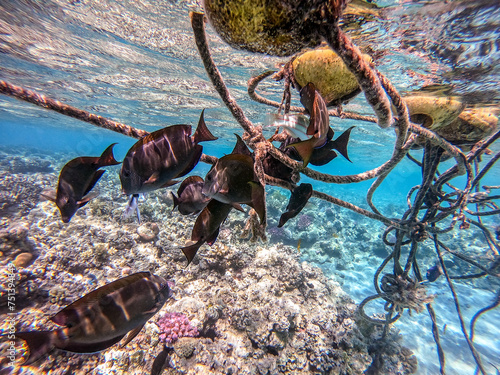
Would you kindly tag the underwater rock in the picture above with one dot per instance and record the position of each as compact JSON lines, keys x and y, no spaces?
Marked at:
{"x":279,"y":28}
{"x":23,"y":260}
{"x":28,"y":164}
{"x":148,"y":231}
{"x":184,"y":347}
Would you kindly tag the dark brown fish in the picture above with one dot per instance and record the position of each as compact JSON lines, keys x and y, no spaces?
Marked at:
{"x":319,"y":123}
{"x":299,"y":198}
{"x":232,"y":180}
{"x":206,"y":228}
{"x":158,"y":158}
{"x":102,"y":318}
{"x":76,"y":180}
{"x":189,"y":198}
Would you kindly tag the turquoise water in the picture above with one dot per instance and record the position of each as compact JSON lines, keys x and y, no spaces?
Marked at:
{"x":136,"y":63}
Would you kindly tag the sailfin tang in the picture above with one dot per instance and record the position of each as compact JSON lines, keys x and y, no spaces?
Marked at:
{"x":188,"y":181}
{"x":107,"y":157}
{"x":340,"y":144}
{"x":39,"y":344}
{"x":202,"y":133}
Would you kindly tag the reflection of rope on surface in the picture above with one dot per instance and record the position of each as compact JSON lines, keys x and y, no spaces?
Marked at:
{"x":430,"y":207}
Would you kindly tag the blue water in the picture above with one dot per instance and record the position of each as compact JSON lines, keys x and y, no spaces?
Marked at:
{"x":136,"y":63}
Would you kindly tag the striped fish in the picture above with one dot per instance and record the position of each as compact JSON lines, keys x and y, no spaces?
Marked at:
{"x":101,"y":318}
{"x":76,"y":180}
{"x":157,"y":159}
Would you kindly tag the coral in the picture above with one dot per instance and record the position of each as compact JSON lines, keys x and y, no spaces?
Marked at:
{"x":303,"y":222}
{"x":174,"y":326}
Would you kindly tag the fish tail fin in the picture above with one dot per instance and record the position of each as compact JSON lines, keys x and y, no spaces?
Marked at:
{"x":191,"y":250}
{"x":107,"y":157}
{"x":202,"y":133}
{"x":340,"y":144}
{"x":39,"y":343}
{"x":175,"y":199}
{"x":305,"y":149}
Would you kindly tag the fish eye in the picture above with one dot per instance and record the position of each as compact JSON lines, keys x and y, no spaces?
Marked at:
{"x":126,"y":174}
{"x":209,"y":178}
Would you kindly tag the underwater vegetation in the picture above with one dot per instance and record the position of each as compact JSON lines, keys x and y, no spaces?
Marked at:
{"x":243,"y":306}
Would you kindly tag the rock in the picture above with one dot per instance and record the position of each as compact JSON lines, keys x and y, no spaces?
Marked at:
{"x":23,"y":260}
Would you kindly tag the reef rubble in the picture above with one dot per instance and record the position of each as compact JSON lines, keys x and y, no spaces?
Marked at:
{"x":257,"y":307}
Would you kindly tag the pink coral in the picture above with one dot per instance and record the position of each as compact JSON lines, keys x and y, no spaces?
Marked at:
{"x":175,"y":325}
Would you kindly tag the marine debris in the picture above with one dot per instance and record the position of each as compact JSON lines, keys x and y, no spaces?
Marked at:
{"x":263,"y":317}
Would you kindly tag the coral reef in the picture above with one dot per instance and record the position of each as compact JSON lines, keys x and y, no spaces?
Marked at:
{"x":257,"y":309}
{"x":174,"y":326}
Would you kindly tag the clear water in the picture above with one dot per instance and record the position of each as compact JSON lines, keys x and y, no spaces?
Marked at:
{"x":136,"y":62}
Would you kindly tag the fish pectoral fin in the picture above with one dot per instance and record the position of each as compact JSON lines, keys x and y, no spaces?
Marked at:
{"x":86,"y":199}
{"x":131,"y":335}
{"x":49,"y":194}
{"x":305,"y":149}
{"x":152,"y":179}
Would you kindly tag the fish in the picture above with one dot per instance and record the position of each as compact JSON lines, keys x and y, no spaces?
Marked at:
{"x":312,"y":144}
{"x":319,"y":122}
{"x":76,"y":180}
{"x":157,"y":159}
{"x":232,"y":180}
{"x":294,"y":125}
{"x":101,"y":318}
{"x":298,"y":199}
{"x":206,"y":227}
{"x":189,"y":198}
{"x":436,"y":270}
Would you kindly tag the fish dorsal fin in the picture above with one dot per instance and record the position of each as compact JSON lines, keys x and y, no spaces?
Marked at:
{"x":61,"y":317}
{"x":191,"y":250}
{"x":107,"y":157}
{"x":188,"y":181}
{"x":131,"y":335}
{"x":49,"y":194}
{"x":340,"y":144}
{"x":241,"y":147}
{"x":202,"y":133}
